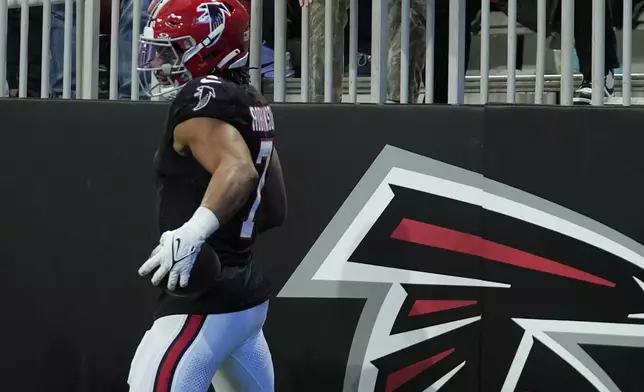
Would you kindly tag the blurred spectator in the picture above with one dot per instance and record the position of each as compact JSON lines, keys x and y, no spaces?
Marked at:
{"x":268,"y":46}
{"x":583,"y":45}
{"x":618,"y":9}
{"x":34,"y":48}
{"x":417,"y":50}
{"x":125,"y":46}
{"x":418,"y":23}
{"x":316,"y":17}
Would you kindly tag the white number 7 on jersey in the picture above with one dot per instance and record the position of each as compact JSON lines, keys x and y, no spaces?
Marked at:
{"x":265,"y":153}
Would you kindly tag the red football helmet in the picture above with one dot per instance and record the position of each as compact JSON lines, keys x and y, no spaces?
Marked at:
{"x":185,"y":39}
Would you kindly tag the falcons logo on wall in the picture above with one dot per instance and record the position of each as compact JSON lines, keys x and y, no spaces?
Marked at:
{"x":471,"y":282}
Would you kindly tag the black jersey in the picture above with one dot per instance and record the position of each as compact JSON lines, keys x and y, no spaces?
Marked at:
{"x":182,"y":182}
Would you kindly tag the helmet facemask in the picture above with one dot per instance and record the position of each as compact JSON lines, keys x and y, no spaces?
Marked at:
{"x":163,"y":58}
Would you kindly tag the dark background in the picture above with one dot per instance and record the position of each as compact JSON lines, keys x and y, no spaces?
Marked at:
{"x":78,"y":218}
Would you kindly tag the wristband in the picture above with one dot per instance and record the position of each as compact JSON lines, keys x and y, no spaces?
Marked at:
{"x":204,"y":222}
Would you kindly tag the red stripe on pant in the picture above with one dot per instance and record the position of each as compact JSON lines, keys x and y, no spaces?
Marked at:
{"x":175,"y":352}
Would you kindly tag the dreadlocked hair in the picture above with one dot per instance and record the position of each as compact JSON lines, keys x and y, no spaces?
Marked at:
{"x":239,"y":76}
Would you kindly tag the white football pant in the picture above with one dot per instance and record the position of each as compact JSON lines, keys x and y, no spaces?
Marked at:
{"x":182,"y":353}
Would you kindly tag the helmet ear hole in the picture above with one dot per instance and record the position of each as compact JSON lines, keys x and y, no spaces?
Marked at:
{"x":211,"y":56}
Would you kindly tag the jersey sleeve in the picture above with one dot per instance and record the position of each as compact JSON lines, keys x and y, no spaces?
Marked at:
{"x":206,"y":97}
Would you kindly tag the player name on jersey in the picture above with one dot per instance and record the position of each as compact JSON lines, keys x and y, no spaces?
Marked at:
{"x":262,"y":118}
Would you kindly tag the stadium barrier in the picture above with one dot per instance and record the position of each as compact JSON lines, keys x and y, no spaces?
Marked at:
{"x":88,"y":56}
{"x":488,"y":256}
{"x":425,"y":245}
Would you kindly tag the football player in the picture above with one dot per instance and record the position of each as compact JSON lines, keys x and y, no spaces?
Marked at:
{"x":219,"y":185}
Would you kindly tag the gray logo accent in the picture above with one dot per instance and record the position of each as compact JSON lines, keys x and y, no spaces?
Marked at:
{"x":566,"y":338}
{"x":493,"y":196}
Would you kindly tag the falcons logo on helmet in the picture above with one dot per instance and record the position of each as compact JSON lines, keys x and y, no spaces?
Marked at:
{"x":443,"y":299}
{"x":216,"y":14}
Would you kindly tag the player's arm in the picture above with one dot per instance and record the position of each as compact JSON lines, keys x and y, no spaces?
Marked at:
{"x":275,"y":205}
{"x":221,"y":150}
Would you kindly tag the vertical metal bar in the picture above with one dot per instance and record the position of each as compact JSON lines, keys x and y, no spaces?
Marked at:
{"x":4,"y":88}
{"x":567,"y":29}
{"x":279,"y":79}
{"x":114,"y":49}
{"x":429,"y":51}
{"x":485,"y":51}
{"x":24,"y":48}
{"x":405,"y":14}
{"x":541,"y":51}
{"x":627,"y":52}
{"x":256,"y":43}
{"x":136,"y":31}
{"x":305,"y":57}
{"x":599,"y":71}
{"x":379,"y":48}
{"x":329,"y":19}
{"x":157,"y":89}
{"x":456,"y":74}
{"x":353,"y":51}
{"x":80,"y":43}
{"x":67,"y":48}
{"x":512,"y":51}
{"x":44,"y":50}
{"x":90,"y":49}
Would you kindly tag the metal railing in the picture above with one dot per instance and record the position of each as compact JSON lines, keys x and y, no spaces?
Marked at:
{"x":85,"y":29}
{"x":81,"y":21}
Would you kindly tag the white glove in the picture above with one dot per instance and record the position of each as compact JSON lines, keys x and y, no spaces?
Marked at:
{"x":178,"y":249}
